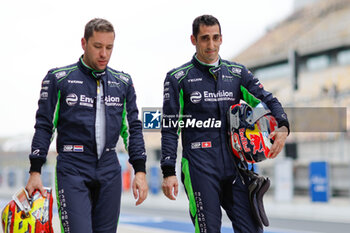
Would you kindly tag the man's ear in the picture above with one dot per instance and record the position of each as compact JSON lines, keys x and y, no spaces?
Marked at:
{"x":83,"y":43}
{"x":193,"y":40}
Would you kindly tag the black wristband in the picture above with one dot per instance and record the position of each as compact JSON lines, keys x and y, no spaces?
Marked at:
{"x":168,"y":171}
{"x":284,"y":123}
{"x":35,"y":165}
{"x":139,"y":166}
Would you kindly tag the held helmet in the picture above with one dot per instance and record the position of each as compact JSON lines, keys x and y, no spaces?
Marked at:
{"x":249,"y":130}
{"x":28,"y":215}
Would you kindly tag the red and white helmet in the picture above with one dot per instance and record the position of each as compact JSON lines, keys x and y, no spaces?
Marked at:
{"x":249,"y":130}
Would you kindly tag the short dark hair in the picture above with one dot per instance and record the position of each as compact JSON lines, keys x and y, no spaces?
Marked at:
{"x":207,"y":20}
{"x":97,"y":25}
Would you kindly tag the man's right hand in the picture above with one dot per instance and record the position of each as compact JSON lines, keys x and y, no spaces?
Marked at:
{"x":170,"y":187}
{"x":34,"y":182}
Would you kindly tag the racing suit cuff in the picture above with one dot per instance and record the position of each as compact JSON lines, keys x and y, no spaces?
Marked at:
{"x":284,"y":123}
{"x":35,"y":165}
{"x":139,"y":166}
{"x":168,"y":171}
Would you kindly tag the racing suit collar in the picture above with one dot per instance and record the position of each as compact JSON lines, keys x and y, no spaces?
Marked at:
{"x":87,"y":70}
{"x":203,"y":66}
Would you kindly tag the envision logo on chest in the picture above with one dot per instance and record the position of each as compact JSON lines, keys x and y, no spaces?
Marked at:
{"x":221,"y":95}
{"x":71,"y":99}
{"x":86,"y":101}
{"x":196,"y":97}
{"x":112,"y":101}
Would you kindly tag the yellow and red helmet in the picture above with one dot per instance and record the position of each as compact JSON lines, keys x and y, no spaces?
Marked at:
{"x":28,"y":215}
{"x":249,"y":131}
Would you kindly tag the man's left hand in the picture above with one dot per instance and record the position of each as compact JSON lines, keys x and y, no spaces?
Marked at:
{"x":140,"y":187}
{"x":280,"y":136}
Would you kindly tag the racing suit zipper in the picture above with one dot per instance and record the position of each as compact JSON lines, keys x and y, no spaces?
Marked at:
{"x":219,"y":116}
{"x":100,"y":122}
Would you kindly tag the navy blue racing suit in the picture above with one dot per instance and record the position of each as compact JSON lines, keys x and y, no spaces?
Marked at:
{"x":196,"y":99}
{"x":88,"y":188}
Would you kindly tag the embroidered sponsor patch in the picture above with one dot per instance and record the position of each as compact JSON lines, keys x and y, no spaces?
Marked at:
{"x":179,"y":74}
{"x":195,"y":145}
{"x":60,"y":74}
{"x":198,"y":145}
{"x":67,"y":148}
{"x":73,"y":148}
{"x":236,"y":70}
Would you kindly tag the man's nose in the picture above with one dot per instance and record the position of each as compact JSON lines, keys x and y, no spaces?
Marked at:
{"x":211,"y":44}
{"x":103,"y":52}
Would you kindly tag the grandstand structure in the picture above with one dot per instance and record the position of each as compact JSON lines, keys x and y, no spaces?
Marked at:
{"x":304,"y":60}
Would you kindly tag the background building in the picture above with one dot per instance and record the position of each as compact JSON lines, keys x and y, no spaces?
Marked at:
{"x":305,"y":61}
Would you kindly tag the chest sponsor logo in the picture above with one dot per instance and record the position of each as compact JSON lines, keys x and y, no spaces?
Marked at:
{"x":112,"y":101}
{"x":196,"y":97}
{"x":113,"y":84}
{"x":72,"y":99}
{"x":227,"y":78}
{"x":193,"y":80}
{"x":86,"y":101}
{"x":195,"y":145}
{"x":75,"y":81}
{"x":199,"y":145}
{"x":208,"y":96}
{"x":73,"y":148}
{"x":67,"y":148}
{"x":219,"y":96}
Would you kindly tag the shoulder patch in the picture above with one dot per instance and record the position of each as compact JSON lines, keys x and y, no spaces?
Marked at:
{"x":179,"y":74}
{"x":60,"y":74}
{"x":123,"y":77}
{"x":236,"y":70}
{"x":63,"y":72}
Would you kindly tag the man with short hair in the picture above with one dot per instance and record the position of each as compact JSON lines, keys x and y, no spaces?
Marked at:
{"x":200,"y":93}
{"x":89,"y":103}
